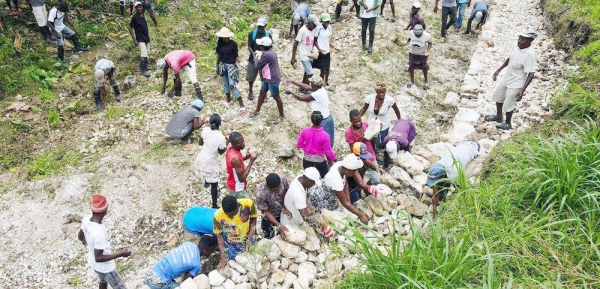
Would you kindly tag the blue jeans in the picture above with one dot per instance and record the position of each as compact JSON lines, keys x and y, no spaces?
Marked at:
{"x":378,"y":144}
{"x":307,"y":67}
{"x":461,"y":14}
{"x":448,"y":11}
{"x":65,"y":32}
{"x":272,"y":87}
{"x":229,"y":85}
{"x":355,"y":195}
{"x":329,"y":128}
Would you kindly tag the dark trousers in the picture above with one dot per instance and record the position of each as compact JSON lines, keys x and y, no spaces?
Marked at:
{"x":267,"y":228}
{"x":370,"y":24}
{"x":321,"y":167}
{"x":448,"y":11}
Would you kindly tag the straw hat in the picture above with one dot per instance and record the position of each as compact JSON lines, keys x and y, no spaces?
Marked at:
{"x":224,"y":32}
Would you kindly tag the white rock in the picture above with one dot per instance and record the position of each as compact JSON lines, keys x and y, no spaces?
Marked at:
{"x":275,"y":265}
{"x":202,"y":281}
{"x":285,"y":263}
{"x":302,"y":257}
{"x":390,"y":181}
{"x":409,"y":163}
{"x":412,"y":205}
{"x":289,"y":279}
{"x":335,"y":218}
{"x":451,"y":99}
{"x":295,"y":235}
{"x":439,"y":149}
{"x":229,"y":284}
{"x":269,"y":249}
{"x":350,"y":263}
{"x":409,"y":186}
{"x":188,"y":284}
{"x":226,"y":272}
{"x":278,"y":276}
{"x":243,"y":286}
{"x":215,"y":278}
{"x":313,"y":243}
{"x":235,"y":265}
{"x":293,"y":268}
{"x":467,"y":115}
{"x":288,"y":250}
{"x":472,"y":89}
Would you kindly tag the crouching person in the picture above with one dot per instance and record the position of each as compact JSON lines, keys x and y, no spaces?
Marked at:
{"x":185,"y":122}
{"x":185,"y":259}
{"x":234,"y":225}
{"x":105,"y":67}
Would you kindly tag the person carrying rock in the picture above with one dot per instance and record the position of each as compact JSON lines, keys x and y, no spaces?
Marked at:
{"x":378,"y":105}
{"x":441,"y":174}
{"x":356,"y":133}
{"x":369,"y":9}
{"x":269,"y":200}
{"x":323,"y":44}
{"x":105,"y":67}
{"x":315,"y":143}
{"x":518,"y":76}
{"x":334,"y":189}
{"x":237,"y":172}
{"x":179,"y":61}
{"x":142,"y":38}
{"x":356,"y":182}
{"x":372,"y":170}
{"x":227,"y":57}
{"x":234,"y":225}
{"x":479,"y":13}
{"x":319,"y":101}
{"x":197,"y":221}
{"x":295,"y":201}
{"x":93,"y":234}
{"x":268,"y":64}
{"x":299,"y":15}
{"x":448,"y":9}
{"x":185,"y":259}
{"x":304,"y":43}
{"x":213,"y":144}
{"x":185,"y":122}
{"x":38,"y":7}
{"x":415,"y":17}
{"x":56,"y":19}
{"x":419,"y":42}
{"x":400,"y":137}
{"x":251,"y":70}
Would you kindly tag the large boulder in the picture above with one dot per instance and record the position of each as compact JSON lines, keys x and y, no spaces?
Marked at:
{"x":439,"y":149}
{"x":306,"y":274}
{"x":215,"y":278}
{"x":236,"y":266}
{"x":228,"y":284}
{"x":409,"y":163}
{"x":268,"y":249}
{"x":374,"y":204}
{"x":467,"y":115}
{"x":409,"y":186}
{"x":188,"y":284}
{"x":451,"y":99}
{"x":202,"y":281}
{"x":288,"y":250}
{"x":390,"y":181}
{"x":412,"y":205}
{"x":335,"y":218}
{"x":458,"y":133}
{"x":295,"y":235}
{"x":313,"y":243}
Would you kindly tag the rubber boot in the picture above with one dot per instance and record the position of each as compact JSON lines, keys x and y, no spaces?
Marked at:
{"x":97,"y":99}
{"x":177,"y":89}
{"x":61,"y":53}
{"x":199,"y":93}
{"x":117,"y":93}
{"x":144,"y":66}
{"x":122,"y":8}
{"x":77,"y":44}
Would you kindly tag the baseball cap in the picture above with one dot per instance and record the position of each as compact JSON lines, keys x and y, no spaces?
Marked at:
{"x":198,"y":103}
{"x":392,"y":149}
{"x":99,"y":74}
{"x":529,"y":34}
{"x":435,"y":173}
{"x":417,"y":4}
{"x":313,"y":174}
{"x":418,"y":29}
{"x":137,"y":3}
{"x":265,"y":41}
{"x":478,"y":15}
{"x":160,"y":64}
{"x":262,"y":21}
{"x":325,"y":17}
{"x":360,"y":149}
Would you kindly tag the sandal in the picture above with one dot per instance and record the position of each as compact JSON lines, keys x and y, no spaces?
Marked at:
{"x":425,"y":86}
{"x":278,"y":120}
{"x":493,"y":118}
{"x":253,"y":114}
{"x":504,"y":126}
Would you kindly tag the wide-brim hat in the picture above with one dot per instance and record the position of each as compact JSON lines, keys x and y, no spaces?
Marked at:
{"x":225,"y":33}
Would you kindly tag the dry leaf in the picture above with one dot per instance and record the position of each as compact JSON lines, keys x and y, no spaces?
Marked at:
{"x":18,"y":43}
{"x":112,"y":34}
{"x":51,"y":49}
{"x":124,"y":35}
{"x":28,"y":115}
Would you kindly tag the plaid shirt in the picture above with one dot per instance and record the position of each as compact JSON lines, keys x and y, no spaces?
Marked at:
{"x":273,"y":202}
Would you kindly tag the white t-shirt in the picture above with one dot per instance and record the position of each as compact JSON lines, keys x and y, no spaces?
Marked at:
{"x":520,"y":63}
{"x":294,"y":201}
{"x":213,"y":141}
{"x":333,"y":179}
{"x":306,"y":40}
{"x":459,"y":157}
{"x":105,"y":65}
{"x":57,"y":17}
{"x":383,"y":116}
{"x":96,"y":237}
{"x":321,"y":102}
{"x":323,"y":35}
{"x":418,"y":45}
{"x":371,"y":14}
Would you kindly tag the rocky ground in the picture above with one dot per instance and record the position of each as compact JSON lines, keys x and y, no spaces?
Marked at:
{"x":149,"y":181}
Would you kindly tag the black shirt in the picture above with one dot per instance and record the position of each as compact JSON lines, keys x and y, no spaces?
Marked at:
{"x":140,"y":26}
{"x":351,"y":182}
{"x":252,"y":43}
{"x":228,"y":51}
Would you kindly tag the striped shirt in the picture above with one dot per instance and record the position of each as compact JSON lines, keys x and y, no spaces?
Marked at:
{"x":178,"y":125}
{"x":183,"y":259}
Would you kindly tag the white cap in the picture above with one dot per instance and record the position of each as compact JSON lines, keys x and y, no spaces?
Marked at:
{"x":99,"y":74}
{"x":265,"y":41}
{"x":478,"y":15}
{"x":160,"y":64}
{"x":417,"y":4}
{"x":262,"y":21}
{"x":392,"y":149}
{"x":313,"y":174}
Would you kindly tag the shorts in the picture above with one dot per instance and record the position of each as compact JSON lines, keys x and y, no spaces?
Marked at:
{"x":307,"y":67}
{"x":111,"y":278}
{"x":418,"y":62}
{"x":40,"y":14}
{"x":243,"y":194}
{"x":144,"y":49}
{"x":190,"y":237}
{"x":506,"y":96}
{"x":251,"y":71}
{"x":190,"y":70}
{"x":272,"y":87}
{"x":323,"y":62}
{"x":147,"y":7}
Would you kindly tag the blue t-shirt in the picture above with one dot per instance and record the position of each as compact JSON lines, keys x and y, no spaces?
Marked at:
{"x":480,"y":6}
{"x":303,"y":10}
{"x":199,"y":220}
{"x":185,"y":258}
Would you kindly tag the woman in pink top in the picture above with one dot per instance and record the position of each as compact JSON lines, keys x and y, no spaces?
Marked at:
{"x":179,"y":60}
{"x":315,"y":143}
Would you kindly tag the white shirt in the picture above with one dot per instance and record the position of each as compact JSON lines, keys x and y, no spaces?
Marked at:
{"x":294,"y":201}
{"x":323,"y":35}
{"x":520,"y":63}
{"x":458,"y":158}
{"x":333,"y":179}
{"x":306,"y":40}
{"x":418,"y":45}
{"x":105,"y":65}
{"x":213,"y":141}
{"x":371,"y":14}
{"x":57,"y":17}
{"x":96,"y":237}
{"x":383,"y":116}
{"x":321,"y":102}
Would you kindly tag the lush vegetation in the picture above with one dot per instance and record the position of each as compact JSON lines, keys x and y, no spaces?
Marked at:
{"x":533,"y":219}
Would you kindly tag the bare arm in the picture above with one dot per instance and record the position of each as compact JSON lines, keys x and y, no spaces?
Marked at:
{"x":300,"y":97}
{"x":237,"y":166}
{"x":364,"y":109}
{"x":100,"y":257}
{"x":519,"y":95}
{"x":132,"y":35}
{"x":301,"y":85}
{"x":294,"y":52}
{"x":396,"y":110}
{"x":221,"y":243}
{"x":505,"y":64}
{"x":250,"y":235}
{"x":343,"y":197}
{"x":165,"y":77}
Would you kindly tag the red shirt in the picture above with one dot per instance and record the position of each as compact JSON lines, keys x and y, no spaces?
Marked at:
{"x":178,"y":59}
{"x":351,"y":138}
{"x":232,"y":179}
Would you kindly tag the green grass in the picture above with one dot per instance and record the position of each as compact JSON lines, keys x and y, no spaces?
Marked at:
{"x":52,"y":162}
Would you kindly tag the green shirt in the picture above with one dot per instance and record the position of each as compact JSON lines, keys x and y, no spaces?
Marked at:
{"x":375,"y":11}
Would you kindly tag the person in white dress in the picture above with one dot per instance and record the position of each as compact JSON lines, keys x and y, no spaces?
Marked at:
{"x":213,"y":144}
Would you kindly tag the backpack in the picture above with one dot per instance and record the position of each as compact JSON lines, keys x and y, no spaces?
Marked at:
{"x":267,"y":34}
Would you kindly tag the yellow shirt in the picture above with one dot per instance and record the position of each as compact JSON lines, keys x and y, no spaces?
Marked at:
{"x":237,"y":228}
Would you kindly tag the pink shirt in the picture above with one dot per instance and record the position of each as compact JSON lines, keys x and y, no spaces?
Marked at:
{"x":351,"y":138}
{"x":179,"y":58}
{"x":315,"y":141}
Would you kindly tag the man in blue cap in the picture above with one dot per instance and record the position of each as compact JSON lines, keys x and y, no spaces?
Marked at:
{"x":447,"y":170}
{"x":186,"y":121}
